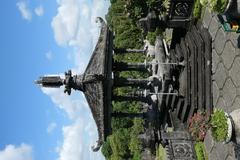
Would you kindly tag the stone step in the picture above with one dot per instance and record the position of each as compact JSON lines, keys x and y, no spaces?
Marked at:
{"x":176,"y":135}
{"x":185,"y":113}
{"x":179,"y":106}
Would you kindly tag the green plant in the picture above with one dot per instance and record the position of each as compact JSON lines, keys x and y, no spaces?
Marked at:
{"x":218,"y":5}
{"x":161,"y":153}
{"x":200,"y":151}
{"x":151,"y":36}
{"x":166,"y":4}
{"x":219,"y":126}
{"x":197,"y":9}
{"x":198,"y":126}
{"x":106,"y":149}
{"x":204,"y":2}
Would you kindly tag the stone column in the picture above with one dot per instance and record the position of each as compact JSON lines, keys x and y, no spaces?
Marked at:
{"x":128,"y":115}
{"x":122,"y":66}
{"x":124,"y":50}
{"x":131,"y":98}
{"x":121,"y":82}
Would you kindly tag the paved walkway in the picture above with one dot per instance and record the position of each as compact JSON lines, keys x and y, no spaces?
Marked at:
{"x":226,"y":79}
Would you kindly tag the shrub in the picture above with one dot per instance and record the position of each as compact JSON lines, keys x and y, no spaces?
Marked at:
{"x":204,"y":2}
{"x":198,"y":125}
{"x":197,"y":9}
{"x":151,"y":36}
{"x":218,"y":5}
{"x":106,"y":149}
{"x":219,"y":126}
{"x":161,"y":153}
{"x":200,"y":151}
{"x":119,"y":143}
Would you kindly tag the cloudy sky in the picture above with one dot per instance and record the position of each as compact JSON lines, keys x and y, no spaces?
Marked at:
{"x":41,"y":37}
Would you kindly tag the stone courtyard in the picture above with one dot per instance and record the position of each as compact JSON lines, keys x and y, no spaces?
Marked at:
{"x":225,"y":79}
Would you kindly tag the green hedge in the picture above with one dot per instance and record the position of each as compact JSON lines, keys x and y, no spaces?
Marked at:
{"x":200,"y":151}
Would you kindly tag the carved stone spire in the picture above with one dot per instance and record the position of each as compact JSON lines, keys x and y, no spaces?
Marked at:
{"x":50,"y":81}
{"x":70,"y":82}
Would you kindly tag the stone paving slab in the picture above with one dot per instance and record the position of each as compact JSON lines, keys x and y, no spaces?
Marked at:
{"x":226,"y":79}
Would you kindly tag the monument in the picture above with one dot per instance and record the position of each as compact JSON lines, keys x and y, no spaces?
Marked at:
{"x":98,"y":81}
{"x":178,"y":86}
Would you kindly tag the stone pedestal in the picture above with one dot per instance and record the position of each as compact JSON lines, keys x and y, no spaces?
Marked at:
{"x":236,"y":120}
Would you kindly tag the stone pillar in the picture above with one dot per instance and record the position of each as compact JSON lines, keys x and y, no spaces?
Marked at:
{"x":124,"y":50}
{"x":70,"y":82}
{"x":131,"y":98}
{"x":121,"y":82}
{"x":139,"y":95}
{"x":50,"y":81}
{"x":128,"y":115}
{"x":122,"y":66}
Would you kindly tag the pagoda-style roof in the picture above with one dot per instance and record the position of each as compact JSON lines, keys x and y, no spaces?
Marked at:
{"x":97,"y":82}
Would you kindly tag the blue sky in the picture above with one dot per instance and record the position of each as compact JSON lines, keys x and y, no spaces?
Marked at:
{"x":41,"y":37}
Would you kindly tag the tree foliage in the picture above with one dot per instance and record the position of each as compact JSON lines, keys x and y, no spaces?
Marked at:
{"x":119,"y":143}
{"x":106,"y":149}
{"x":122,"y":18}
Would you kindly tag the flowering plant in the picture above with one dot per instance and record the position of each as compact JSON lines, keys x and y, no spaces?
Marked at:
{"x":198,"y":126}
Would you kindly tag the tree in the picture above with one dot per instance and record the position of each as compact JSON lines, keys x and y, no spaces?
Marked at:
{"x":106,"y":149}
{"x":119,"y":143}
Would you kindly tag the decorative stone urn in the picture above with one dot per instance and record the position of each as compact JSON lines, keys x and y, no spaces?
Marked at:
{"x":235,"y":115}
{"x":230,"y":128}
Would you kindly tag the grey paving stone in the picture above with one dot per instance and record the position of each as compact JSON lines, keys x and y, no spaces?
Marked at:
{"x":238,"y":91}
{"x":228,"y":54}
{"x":220,"y":40}
{"x":220,"y":75}
{"x":234,"y":72}
{"x":229,"y":92}
{"x":222,"y":150}
{"x":207,"y":18}
{"x":215,"y":60}
{"x":221,"y":104}
{"x":229,"y":157}
{"x":214,"y":27}
{"x":234,"y":37}
{"x":238,"y":50}
{"x":236,"y":105}
{"x":215,"y":90}
{"x":208,"y":142}
{"x":213,"y":155}
{"x":231,"y":150}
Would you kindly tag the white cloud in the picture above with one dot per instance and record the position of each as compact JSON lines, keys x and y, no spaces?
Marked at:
{"x":51,"y":127}
{"x":74,"y":26}
{"x":77,"y":141}
{"x":85,"y":11}
{"x":71,"y":105}
{"x":78,"y":28}
{"x":72,"y":146}
{"x":65,"y":23}
{"x":82,"y":133}
{"x":49,"y":55}
{"x":24,"y":10}
{"x":11,"y":152}
{"x":39,"y":11}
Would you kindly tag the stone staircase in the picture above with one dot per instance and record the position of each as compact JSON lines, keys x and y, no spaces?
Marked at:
{"x":195,"y":91}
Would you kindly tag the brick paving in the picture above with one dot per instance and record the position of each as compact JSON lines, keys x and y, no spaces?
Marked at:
{"x":226,"y":79}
